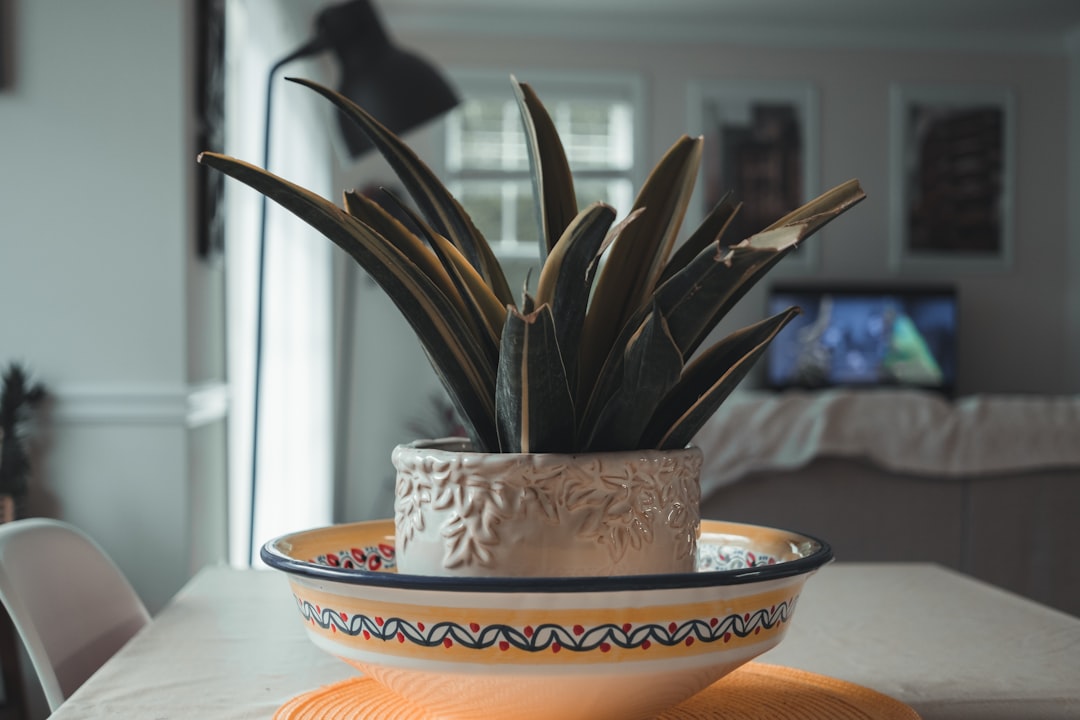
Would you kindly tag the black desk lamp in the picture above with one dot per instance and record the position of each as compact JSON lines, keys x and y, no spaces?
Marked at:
{"x":400,"y":89}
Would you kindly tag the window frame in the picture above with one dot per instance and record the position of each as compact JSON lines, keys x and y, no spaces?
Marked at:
{"x":550,"y":86}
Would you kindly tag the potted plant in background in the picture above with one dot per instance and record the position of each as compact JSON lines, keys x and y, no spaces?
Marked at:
{"x":581,"y":396}
{"x":19,"y":398}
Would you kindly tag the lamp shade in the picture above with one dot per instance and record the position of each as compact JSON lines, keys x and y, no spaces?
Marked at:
{"x":399,"y":88}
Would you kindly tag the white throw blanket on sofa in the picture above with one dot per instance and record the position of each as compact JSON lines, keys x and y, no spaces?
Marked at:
{"x":899,"y":430}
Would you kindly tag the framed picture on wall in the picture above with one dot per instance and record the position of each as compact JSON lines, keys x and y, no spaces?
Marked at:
{"x":210,"y":126}
{"x":761,"y":143}
{"x":951,"y":177}
{"x":7,"y":45}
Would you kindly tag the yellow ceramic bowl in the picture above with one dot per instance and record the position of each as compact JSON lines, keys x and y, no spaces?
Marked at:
{"x":621,"y":647}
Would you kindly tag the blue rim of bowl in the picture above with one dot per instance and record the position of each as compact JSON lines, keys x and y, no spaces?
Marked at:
{"x":819,"y":556}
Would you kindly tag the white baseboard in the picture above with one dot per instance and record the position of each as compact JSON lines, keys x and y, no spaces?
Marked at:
{"x":189,"y":405}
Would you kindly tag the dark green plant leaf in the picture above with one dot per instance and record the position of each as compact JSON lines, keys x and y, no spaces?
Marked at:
{"x":553,"y":184}
{"x":379,"y":220}
{"x":435,"y":202}
{"x":702,"y":293}
{"x":709,"y":231}
{"x":533,"y":405}
{"x":441,"y":262}
{"x":447,"y":338}
{"x":704,"y":299}
{"x":509,"y":372}
{"x":635,"y":262}
{"x":528,"y":303}
{"x":692,"y":302}
{"x":651,"y":366}
{"x":707,"y":382}
{"x":566,"y":277}
{"x":477,"y":301}
{"x":612,"y":236}
{"x":824,"y":208}
{"x":698,"y":297}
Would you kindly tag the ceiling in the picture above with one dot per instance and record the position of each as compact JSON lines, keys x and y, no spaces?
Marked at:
{"x":1033,"y":25}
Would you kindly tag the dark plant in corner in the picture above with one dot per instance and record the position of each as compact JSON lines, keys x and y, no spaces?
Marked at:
{"x":575,"y":365}
{"x":19,"y":397}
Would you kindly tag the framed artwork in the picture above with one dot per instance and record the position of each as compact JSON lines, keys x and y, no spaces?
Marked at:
{"x":761,"y":143}
{"x":7,"y":44}
{"x":951,"y":162}
{"x":210,"y":126}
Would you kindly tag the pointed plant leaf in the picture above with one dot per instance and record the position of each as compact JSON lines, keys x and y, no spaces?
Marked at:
{"x":553,"y":184}
{"x":709,"y":231}
{"x":447,"y":338}
{"x":566,"y":277}
{"x":651,"y":366}
{"x":824,"y":208}
{"x":436,"y":203}
{"x":369,"y":212}
{"x":708,"y":381}
{"x":698,"y":297}
{"x":692,"y":302}
{"x":532,"y":398}
{"x":612,"y":236}
{"x":477,"y":299}
{"x":569,"y":260}
{"x":635,"y":262}
{"x":528,"y":302}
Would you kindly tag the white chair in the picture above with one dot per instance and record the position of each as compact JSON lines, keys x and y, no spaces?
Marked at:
{"x":69,"y":602}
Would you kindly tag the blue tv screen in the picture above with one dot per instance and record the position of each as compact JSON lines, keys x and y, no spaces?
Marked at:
{"x":872,"y":336}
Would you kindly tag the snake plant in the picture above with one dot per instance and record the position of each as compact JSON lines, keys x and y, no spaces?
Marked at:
{"x":599,"y":356}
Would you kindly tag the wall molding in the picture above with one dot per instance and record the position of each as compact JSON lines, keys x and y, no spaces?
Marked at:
{"x":157,"y":404}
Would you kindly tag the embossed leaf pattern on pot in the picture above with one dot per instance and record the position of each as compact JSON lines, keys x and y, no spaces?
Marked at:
{"x":682,"y":496}
{"x":480,"y":505}
{"x":481,"y":502}
{"x":583,"y":499}
{"x":471,"y":501}
{"x":469,"y":539}
{"x":630,"y":509}
{"x":543,"y":497}
{"x":411,"y":495}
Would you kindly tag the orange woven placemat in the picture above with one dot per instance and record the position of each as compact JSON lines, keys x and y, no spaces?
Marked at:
{"x":756,"y":691}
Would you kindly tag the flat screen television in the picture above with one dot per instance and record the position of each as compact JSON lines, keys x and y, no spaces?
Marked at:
{"x":864,"y":336}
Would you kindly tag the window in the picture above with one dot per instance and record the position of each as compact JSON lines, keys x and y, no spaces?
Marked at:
{"x":486,"y":158}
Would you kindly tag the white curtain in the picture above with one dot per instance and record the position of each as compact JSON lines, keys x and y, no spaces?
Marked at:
{"x":295,"y":458}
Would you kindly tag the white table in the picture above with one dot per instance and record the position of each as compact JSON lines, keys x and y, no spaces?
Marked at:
{"x":231,"y":645}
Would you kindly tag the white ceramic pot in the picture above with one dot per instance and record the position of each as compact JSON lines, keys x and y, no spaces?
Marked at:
{"x":462,"y":513}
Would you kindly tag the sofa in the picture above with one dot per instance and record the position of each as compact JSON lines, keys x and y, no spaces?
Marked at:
{"x":988,"y":485}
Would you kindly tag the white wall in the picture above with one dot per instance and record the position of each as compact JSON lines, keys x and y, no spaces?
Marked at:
{"x":102,"y":298}
{"x":1017,"y":331}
